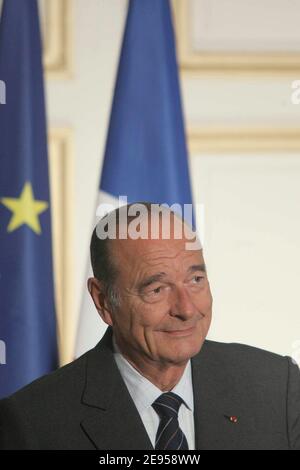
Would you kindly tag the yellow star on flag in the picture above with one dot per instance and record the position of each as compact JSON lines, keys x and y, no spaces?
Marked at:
{"x":25,"y":210}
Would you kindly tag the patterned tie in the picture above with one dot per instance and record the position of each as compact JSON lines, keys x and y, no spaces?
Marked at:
{"x":169,"y":435}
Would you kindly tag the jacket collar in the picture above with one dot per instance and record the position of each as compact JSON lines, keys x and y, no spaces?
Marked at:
{"x":113,"y":422}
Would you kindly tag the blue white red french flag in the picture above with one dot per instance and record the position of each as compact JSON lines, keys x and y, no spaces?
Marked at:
{"x":145,"y":157}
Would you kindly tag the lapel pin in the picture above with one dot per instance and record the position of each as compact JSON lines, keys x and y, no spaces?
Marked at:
{"x":232,"y":419}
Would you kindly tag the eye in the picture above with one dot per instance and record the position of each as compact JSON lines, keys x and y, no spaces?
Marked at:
{"x":157,"y":290}
{"x":156,"y":294}
{"x":197,"y":279}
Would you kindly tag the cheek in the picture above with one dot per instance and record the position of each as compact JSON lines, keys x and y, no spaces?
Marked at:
{"x":205,"y":300}
{"x":143,"y":315}
{"x":148,"y":317}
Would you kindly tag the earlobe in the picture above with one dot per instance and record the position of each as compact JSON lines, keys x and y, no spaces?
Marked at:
{"x":105,"y":313}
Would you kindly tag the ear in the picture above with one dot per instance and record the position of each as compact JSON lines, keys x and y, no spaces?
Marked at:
{"x":96,"y":292}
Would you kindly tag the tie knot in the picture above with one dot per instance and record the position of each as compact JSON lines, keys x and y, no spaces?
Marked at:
{"x":167,"y":405}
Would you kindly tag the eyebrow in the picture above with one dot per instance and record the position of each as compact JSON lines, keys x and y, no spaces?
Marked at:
{"x":159,"y":276}
{"x":197,"y":267}
{"x":150,"y":280}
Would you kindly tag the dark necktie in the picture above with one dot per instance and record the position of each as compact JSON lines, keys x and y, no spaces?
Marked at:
{"x":169,"y":435}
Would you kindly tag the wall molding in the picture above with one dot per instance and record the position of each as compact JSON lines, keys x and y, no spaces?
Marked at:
{"x":56,"y":26}
{"x":243,"y":139}
{"x":60,"y":142}
{"x":191,"y":61}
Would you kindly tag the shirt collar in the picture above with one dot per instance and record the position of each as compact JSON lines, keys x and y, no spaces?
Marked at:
{"x":144,"y":392}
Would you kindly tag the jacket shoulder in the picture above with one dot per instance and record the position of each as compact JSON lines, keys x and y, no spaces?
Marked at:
{"x":243,"y":349}
{"x":242,"y":352}
{"x":65,"y":381}
{"x":242,"y":358}
{"x":46,"y":401}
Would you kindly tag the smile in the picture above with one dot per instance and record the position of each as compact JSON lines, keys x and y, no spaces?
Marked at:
{"x":186,"y":332}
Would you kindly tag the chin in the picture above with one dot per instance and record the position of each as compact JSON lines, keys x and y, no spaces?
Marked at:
{"x":182,"y":353}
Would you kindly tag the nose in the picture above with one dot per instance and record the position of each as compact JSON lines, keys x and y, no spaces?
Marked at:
{"x":182,"y":304}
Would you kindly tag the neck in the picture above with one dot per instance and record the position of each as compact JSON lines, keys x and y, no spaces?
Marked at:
{"x":163,"y":375}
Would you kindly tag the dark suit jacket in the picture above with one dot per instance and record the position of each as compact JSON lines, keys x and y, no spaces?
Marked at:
{"x":86,"y":405}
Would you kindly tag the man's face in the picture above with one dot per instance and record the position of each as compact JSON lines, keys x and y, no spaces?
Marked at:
{"x":165,"y":300}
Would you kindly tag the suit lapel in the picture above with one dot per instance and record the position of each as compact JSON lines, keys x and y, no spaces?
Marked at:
{"x":112,"y":420}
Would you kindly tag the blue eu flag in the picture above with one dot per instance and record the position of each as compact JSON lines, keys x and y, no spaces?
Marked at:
{"x":27,"y":312}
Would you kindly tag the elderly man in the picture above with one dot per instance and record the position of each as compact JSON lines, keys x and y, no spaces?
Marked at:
{"x":154,"y":381}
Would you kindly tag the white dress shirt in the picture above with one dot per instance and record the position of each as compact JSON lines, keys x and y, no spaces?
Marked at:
{"x":144,"y":393}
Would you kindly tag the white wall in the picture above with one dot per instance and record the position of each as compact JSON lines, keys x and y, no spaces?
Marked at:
{"x":252,"y":234}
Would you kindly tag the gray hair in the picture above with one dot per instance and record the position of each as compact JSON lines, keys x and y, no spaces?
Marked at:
{"x":104,"y":269}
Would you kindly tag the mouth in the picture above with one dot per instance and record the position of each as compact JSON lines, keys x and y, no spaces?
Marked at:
{"x":185,"y":332}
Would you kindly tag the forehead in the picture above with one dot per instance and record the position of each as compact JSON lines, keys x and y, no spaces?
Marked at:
{"x":163,"y":241}
{"x":142,"y":254}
